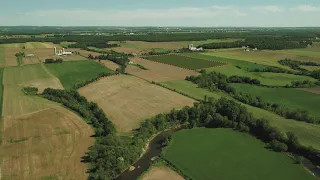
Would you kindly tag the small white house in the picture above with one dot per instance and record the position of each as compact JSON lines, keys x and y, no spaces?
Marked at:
{"x":29,"y":55}
{"x":130,"y":62}
{"x":255,"y":49}
{"x":192,"y":48}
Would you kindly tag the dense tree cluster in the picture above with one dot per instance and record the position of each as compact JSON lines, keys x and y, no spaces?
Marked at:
{"x":53,"y":61}
{"x":272,"y":69}
{"x":304,"y":84}
{"x":30,"y":90}
{"x":20,"y":54}
{"x":215,"y":81}
{"x":223,"y":45}
{"x":277,"y":43}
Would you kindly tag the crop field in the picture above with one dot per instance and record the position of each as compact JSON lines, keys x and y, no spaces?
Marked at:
{"x":291,"y":98}
{"x":158,"y":72}
{"x":109,"y":64}
{"x":308,"y":134}
{"x":161,"y":173}
{"x":74,"y":72}
{"x":315,"y":90}
{"x":269,"y":58}
{"x":15,"y":102}
{"x":313,"y":53}
{"x":40,"y":45}
{"x":128,"y":100}
{"x":1,"y":92}
{"x":128,"y":50}
{"x":184,"y":61}
{"x":2,"y":61}
{"x":47,"y":144}
{"x":266,"y":78}
{"x":13,"y":45}
{"x":9,"y":56}
{"x":234,"y":62}
{"x":206,"y":153}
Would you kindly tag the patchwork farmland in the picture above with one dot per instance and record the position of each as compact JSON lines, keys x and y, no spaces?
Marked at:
{"x":128,"y":100}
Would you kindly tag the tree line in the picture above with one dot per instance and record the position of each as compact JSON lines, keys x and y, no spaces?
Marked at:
{"x":111,"y":154}
{"x":214,"y":81}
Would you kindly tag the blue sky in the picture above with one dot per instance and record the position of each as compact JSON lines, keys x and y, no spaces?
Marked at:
{"x":211,"y":13}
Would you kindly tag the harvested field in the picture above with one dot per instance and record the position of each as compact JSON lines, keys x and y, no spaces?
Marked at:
{"x":184,"y":61}
{"x":161,"y":173}
{"x":2,"y":61}
{"x":128,"y":100}
{"x":127,"y":50}
{"x":312,"y":90}
{"x":47,"y":144}
{"x":13,"y":45}
{"x":31,"y":60}
{"x":214,"y":153}
{"x":158,"y":72}
{"x":109,"y":64}
{"x":40,"y":45}
{"x":9,"y":56}
{"x":15,"y":102}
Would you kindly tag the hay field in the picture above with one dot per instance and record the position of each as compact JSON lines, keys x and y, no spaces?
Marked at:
{"x":226,"y":154}
{"x":161,"y":173}
{"x":40,"y":45}
{"x":265,"y":57}
{"x":158,"y":72}
{"x":127,"y":50}
{"x":109,"y":64}
{"x":13,"y":45}
{"x":9,"y":56}
{"x":313,"y":53}
{"x":184,"y":61}
{"x":266,"y":78}
{"x":47,"y":144}
{"x":308,"y":134}
{"x":15,"y":102}
{"x":128,"y":100}
{"x":74,"y":72}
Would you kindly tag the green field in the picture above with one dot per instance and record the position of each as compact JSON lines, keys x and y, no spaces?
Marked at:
{"x":311,"y":68}
{"x":313,"y":52}
{"x":13,"y":45}
{"x":184,"y":62}
{"x":1,"y":91}
{"x":1,"y":57}
{"x":221,"y":154}
{"x":308,"y":134}
{"x":266,"y":78}
{"x":289,"y":97}
{"x":74,"y":72}
{"x":234,"y":62}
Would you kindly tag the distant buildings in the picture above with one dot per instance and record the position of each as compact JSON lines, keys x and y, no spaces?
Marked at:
{"x":192,"y":48}
{"x":61,"y":52}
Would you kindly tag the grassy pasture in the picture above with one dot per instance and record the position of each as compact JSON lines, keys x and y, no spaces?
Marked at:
{"x":40,"y":45}
{"x":308,"y":134}
{"x":184,"y":61}
{"x":311,"y":68}
{"x":128,"y":100}
{"x":265,"y":57}
{"x":234,"y":62}
{"x":14,"y":45}
{"x":44,"y":144}
{"x":315,"y":90}
{"x":15,"y":102}
{"x":74,"y":72}
{"x":291,"y":98}
{"x":206,"y":153}
{"x":2,"y":57}
{"x":313,"y":53}
{"x":266,"y":78}
{"x":1,"y":92}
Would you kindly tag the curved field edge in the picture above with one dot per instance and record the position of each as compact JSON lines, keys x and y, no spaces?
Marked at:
{"x":288,"y":97}
{"x":308,"y":134}
{"x":206,"y":153}
{"x":159,"y":171}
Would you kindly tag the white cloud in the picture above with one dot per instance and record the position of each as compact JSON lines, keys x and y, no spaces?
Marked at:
{"x":267,"y":9}
{"x":306,"y":8}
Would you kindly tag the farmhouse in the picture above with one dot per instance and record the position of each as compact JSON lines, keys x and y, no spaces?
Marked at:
{"x":61,"y":52}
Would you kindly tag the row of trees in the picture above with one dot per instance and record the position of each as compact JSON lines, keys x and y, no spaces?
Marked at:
{"x":215,"y":81}
{"x":53,"y":61}
{"x":86,"y":82}
{"x":242,"y":80}
{"x":111,"y":154}
{"x":223,"y":45}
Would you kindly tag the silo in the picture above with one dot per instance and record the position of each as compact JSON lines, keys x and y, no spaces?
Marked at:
{"x":54,"y":51}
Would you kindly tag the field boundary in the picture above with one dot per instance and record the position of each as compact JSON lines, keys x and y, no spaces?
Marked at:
{"x":223,"y":63}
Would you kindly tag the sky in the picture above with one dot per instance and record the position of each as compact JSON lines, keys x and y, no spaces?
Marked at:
{"x":199,"y":13}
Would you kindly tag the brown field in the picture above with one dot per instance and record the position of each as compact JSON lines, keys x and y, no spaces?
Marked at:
{"x":109,"y":64}
{"x":31,"y":60}
{"x":312,"y":90}
{"x":47,"y":144}
{"x":128,"y":100}
{"x":9,"y":56}
{"x":158,"y":72}
{"x":161,"y":173}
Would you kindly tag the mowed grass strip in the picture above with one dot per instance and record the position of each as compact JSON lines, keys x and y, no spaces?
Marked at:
{"x":289,"y":97}
{"x":128,"y":100}
{"x":184,"y":61}
{"x":71,"y":73}
{"x":15,"y":102}
{"x":266,"y":78}
{"x":308,"y":134}
{"x":48,"y":143}
{"x":226,"y":154}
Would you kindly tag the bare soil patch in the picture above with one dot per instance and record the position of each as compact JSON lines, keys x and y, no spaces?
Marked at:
{"x":48,"y":143}
{"x":158,"y":72}
{"x":9,"y":56}
{"x":128,"y":100}
{"x":312,"y":90}
{"x":161,"y":173}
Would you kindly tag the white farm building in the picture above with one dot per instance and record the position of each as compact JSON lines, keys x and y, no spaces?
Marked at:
{"x":192,"y":48}
{"x":61,"y":52}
